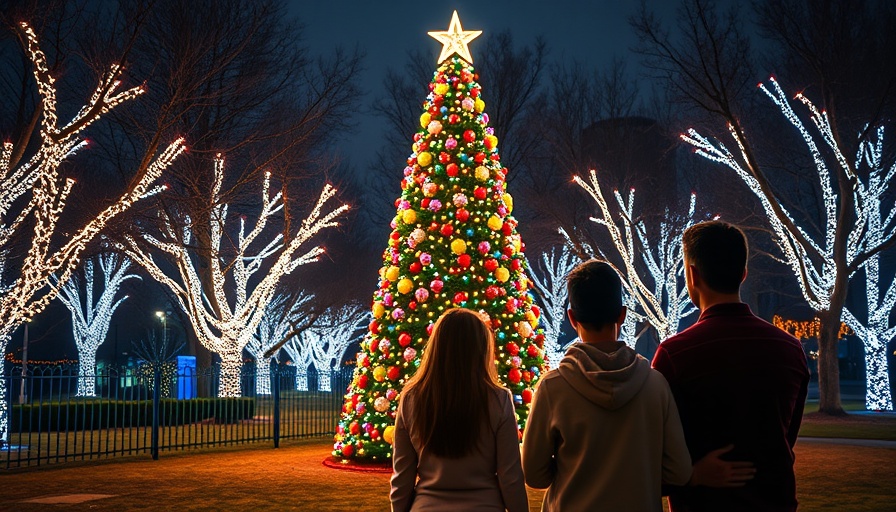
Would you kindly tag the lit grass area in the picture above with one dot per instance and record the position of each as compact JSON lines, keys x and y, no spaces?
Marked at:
{"x":869,"y":425}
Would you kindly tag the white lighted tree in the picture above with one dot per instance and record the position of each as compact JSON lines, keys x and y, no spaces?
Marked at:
{"x":554,"y":298}
{"x":850,"y":234}
{"x":335,"y":331}
{"x":91,"y":314}
{"x":227,"y":326}
{"x":301,"y":350}
{"x":880,"y":297}
{"x":27,"y":289}
{"x":273,"y":329}
{"x":666,"y":302}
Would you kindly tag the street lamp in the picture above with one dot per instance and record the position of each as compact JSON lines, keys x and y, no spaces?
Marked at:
{"x":163,"y":316}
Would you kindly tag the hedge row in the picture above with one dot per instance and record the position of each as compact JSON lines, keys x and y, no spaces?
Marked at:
{"x":93,"y":414}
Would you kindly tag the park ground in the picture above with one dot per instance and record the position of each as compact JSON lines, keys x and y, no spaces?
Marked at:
{"x":832,"y":474}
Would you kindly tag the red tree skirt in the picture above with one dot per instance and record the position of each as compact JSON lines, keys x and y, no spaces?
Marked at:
{"x":362,"y":467}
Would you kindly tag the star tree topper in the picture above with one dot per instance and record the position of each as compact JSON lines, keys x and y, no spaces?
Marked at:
{"x":455,"y":39}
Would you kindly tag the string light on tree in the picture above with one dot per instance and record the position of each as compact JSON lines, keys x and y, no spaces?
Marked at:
{"x":329,"y":338}
{"x":272,"y":329}
{"x":30,"y":290}
{"x":667,"y":302}
{"x":91,"y":315}
{"x":227,"y":327}
{"x":453,"y":243}
{"x":824,"y":264}
{"x":301,"y":350}
{"x":554,"y":298}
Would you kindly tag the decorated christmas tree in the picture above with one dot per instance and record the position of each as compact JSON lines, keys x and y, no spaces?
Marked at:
{"x":454,"y":243}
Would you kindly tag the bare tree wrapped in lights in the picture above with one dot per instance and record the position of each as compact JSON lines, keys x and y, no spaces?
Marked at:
{"x":92,"y":314}
{"x":851,"y":236}
{"x":301,"y":351}
{"x":666,"y":302}
{"x":273,"y":329}
{"x":30,"y":289}
{"x":554,"y":297}
{"x":227,"y":327}
{"x":336,"y":330}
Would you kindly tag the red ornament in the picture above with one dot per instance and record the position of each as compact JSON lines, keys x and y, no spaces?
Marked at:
{"x":374,"y":344}
{"x":374,"y":434}
{"x":453,"y":119}
{"x":527,"y":396}
{"x":532,"y":350}
{"x":508,"y":250}
{"x":433,"y":226}
{"x":424,"y":203}
{"x":539,"y":340}
{"x":444,"y":157}
{"x":434,"y":111}
{"x":354,"y":428}
{"x":416,"y":267}
{"x":464,"y":260}
{"x":507,"y":229}
{"x":460,"y":297}
{"x":514,"y":265}
{"x":423,"y":146}
{"x":474,"y":92}
{"x":537,"y":311}
{"x":451,"y":170}
{"x":412,"y":305}
{"x":480,"y":193}
{"x":347,"y":450}
{"x":447,"y":229}
{"x":514,"y":375}
{"x":469,"y":135}
{"x":393,"y":372}
{"x":362,"y":382}
{"x":404,"y":339}
{"x":512,"y":348}
{"x":527,"y":376}
{"x":374,"y":327}
{"x":479,"y":158}
{"x":395,"y":235}
{"x":429,"y":329}
{"x":462,"y":215}
{"x":510,"y":306}
{"x":491,"y":264}
{"x":491,"y":292}
{"x":436,"y":285}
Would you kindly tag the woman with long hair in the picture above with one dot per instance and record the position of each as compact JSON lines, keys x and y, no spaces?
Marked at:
{"x":456,"y":444}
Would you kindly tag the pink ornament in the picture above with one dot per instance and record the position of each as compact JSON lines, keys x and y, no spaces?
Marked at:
{"x":484,"y":247}
{"x":451,"y":143}
{"x":485,"y":122}
{"x":398,"y":313}
{"x":408,"y":170}
{"x":502,"y":210}
{"x":467,"y":104}
{"x":409,"y":354}
{"x":387,"y":299}
{"x":434,"y":127}
{"x":404,"y":205}
{"x":435,"y":205}
{"x":391,"y":393}
{"x":421,"y":294}
{"x":360,"y":408}
{"x":459,"y":200}
{"x":384,"y":345}
{"x":516,"y":361}
{"x":425,"y":258}
{"x":430,"y":189}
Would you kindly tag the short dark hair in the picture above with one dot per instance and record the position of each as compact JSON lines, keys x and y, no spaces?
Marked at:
{"x":719,"y":252}
{"x":595,"y":294}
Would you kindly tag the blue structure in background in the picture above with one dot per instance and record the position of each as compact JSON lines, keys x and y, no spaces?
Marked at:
{"x":186,"y":377}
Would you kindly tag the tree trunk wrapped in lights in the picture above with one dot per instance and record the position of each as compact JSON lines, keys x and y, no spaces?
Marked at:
{"x":851,"y":236}
{"x":666,"y":302}
{"x":329,"y":338}
{"x":227,"y":327}
{"x":551,"y":289}
{"x":301,"y":351}
{"x":273,"y":329}
{"x":454,"y":243}
{"x":91,"y":315}
{"x":30,"y":290}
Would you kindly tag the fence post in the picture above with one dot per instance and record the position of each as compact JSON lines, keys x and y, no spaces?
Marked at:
{"x":275,"y":395}
{"x":156,"y":396}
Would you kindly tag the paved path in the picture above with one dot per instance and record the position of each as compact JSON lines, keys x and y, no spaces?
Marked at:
{"x":872,"y":443}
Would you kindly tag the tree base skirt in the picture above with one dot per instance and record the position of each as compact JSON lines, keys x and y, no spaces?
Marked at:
{"x":361,"y":467}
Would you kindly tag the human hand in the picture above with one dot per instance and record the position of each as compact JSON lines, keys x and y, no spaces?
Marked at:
{"x":712,"y":471}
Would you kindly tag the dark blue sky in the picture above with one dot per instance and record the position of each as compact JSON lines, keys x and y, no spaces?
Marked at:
{"x":591,"y":32}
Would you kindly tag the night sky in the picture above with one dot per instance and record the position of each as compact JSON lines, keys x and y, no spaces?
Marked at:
{"x":592,"y":33}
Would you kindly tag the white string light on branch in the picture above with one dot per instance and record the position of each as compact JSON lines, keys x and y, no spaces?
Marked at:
{"x":554,"y":299}
{"x":331,"y":336}
{"x":227,"y":326}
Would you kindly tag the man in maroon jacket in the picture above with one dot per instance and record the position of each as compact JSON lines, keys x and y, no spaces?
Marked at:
{"x":736,"y":379}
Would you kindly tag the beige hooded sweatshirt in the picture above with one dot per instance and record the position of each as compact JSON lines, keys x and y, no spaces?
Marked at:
{"x":604,"y":434}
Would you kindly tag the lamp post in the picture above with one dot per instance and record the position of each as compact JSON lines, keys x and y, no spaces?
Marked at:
{"x":163,"y":316}
{"x":22,"y":396}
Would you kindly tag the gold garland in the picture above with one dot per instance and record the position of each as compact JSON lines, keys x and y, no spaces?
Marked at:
{"x":806,"y":329}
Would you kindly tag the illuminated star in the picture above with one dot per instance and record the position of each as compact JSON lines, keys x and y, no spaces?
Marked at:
{"x":455,"y":40}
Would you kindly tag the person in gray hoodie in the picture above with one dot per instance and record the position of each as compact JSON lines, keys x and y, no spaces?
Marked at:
{"x":603,"y":431}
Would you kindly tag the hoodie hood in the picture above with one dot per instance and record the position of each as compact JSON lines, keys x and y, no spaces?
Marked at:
{"x":608,"y":380}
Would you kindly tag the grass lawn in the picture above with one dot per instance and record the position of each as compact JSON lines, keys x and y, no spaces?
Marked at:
{"x":854,"y":426}
{"x":829,"y":477}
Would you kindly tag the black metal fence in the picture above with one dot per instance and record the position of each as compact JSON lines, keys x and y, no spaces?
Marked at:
{"x":139,"y":410}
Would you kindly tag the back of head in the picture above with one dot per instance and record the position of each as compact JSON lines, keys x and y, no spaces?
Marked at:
{"x":595,"y":294}
{"x":451,"y":386}
{"x":719,"y":252}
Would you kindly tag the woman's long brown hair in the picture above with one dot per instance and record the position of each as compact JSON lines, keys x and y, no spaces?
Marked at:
{"x":452,"y":385}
